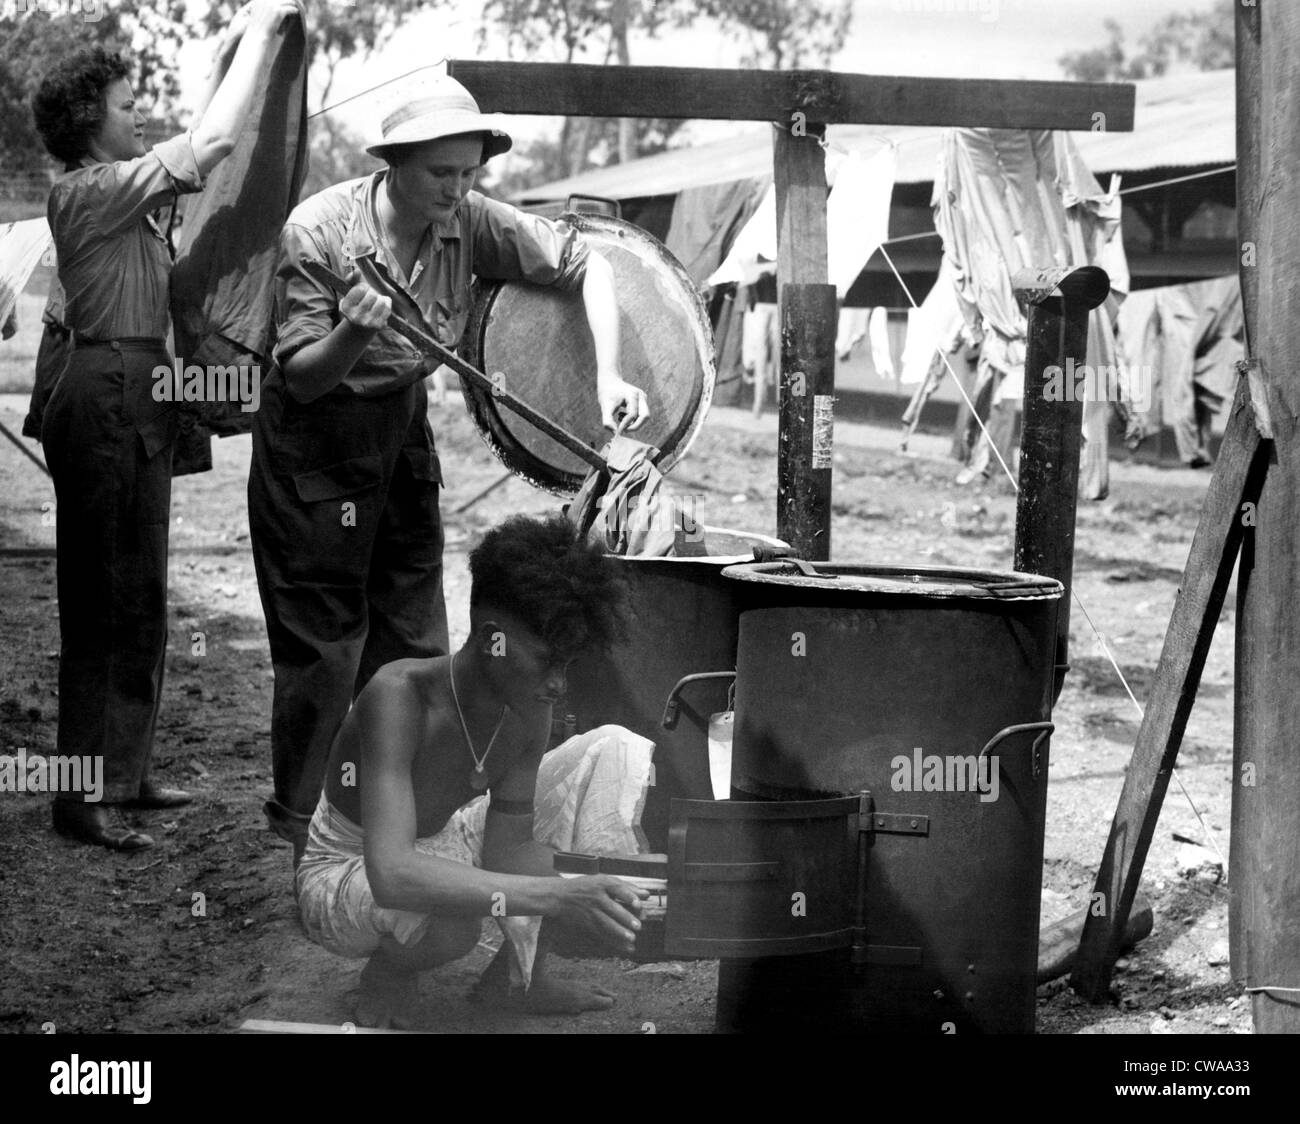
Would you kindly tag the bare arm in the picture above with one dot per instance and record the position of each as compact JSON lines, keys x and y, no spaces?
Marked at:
{"x":601,"y":304}
{"x":391,"y":717}
{"x":214,"y":135}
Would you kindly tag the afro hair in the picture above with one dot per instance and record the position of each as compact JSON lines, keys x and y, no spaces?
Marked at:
{"x":560,"y":585}
{"x":69,"y":107}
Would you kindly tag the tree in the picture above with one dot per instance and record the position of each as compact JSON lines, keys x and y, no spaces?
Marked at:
{"x":336,"y":30}
{"x":778,"y":32}
{"x":783,"y":33}
{"x":1182,"y":40}
{"x":33,"y":38}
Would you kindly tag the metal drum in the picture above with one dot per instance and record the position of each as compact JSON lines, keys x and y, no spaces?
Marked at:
{"x":930,"y":689}
{"x":538,"y":338}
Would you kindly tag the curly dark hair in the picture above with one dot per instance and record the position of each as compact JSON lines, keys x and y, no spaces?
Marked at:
{"x":559,"y":584}
{"x":69,"y":106}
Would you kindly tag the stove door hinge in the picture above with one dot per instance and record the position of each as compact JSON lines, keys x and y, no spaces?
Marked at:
{"x":870,"y":823}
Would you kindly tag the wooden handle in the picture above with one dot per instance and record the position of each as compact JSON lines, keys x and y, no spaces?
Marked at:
{"x":430,"y":346}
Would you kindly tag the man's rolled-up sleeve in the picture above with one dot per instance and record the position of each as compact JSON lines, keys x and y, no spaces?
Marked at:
{"x":510,"y":245}
{"x":306,"y":311}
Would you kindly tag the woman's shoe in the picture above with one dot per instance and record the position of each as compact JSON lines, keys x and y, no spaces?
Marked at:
{"x":98,"y":824}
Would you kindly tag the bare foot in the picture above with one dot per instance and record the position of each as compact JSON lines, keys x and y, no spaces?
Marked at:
{"x":548,"y":996}
{"x":389,"y":998}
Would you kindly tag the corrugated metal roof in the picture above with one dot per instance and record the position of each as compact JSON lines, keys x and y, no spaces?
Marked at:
{"x":1185,"y":121}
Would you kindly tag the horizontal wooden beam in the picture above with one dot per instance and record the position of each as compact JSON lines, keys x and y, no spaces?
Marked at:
{"x":823,"y":96}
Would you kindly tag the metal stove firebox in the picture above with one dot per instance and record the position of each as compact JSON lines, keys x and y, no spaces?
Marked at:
{"x":878,"y":868}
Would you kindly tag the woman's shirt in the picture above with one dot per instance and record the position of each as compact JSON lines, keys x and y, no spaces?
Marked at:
{"x":114,"y":259}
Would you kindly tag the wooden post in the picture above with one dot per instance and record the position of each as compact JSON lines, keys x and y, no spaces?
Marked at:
{"x":808,"y":321}
{"x":1264,"y":870}
{"x":1051,"y":434}
{"x":803,"y":464}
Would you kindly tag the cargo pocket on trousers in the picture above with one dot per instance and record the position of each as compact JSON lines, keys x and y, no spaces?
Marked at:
{"x":334,"y":481}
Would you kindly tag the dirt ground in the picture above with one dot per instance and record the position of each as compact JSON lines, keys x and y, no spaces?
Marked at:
{"x":104,"y":942}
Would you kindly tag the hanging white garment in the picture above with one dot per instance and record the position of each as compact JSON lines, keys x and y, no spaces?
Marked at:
{"x":757,"y":239}
{"x":21,"y":246}
{"x":857,"y":214}
{"x":933,"y":327}
{"x":857,"y":222}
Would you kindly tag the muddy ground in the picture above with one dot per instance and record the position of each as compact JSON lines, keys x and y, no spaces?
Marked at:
{"x":104,"y":942}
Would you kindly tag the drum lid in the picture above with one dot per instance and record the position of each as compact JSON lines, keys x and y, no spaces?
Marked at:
{"x":538,"y":338}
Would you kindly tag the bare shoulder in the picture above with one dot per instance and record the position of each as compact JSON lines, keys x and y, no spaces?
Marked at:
{"x":401,"y":693}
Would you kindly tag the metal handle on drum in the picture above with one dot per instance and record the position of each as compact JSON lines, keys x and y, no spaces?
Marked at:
{"x":672,"y":707}
{"x":1046,"y":730}
{"x":607,"y":206}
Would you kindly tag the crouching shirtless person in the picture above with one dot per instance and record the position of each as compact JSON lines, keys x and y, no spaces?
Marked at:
{"x":442,"y":805}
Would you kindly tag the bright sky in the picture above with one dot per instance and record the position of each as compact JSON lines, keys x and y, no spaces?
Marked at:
{"x":956,"y":38}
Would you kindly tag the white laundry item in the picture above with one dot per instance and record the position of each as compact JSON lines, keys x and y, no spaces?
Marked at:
{"x":857,"y":214}
{"x":882,"y":355}
{"x":21,"y":246}
{"x":932,"y":327}
{"x":850,"y":330}
{"x":857,"y":222}
{"x":757,"y":239}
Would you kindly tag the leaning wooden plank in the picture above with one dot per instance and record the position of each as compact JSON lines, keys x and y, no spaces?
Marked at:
{"x":276,"y":1026}
{"x":576,"y":89}
{"x":1058,"y":943}
{"x":1237,"y":477}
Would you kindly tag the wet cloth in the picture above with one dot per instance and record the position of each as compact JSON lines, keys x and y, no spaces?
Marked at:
{"x":626,"y":510}
{"x":590,"y":794}
{"x":222,"y":285}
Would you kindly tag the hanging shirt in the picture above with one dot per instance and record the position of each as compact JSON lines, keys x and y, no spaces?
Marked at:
{"x":340,"y":229}
{"x":114,"y":260}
